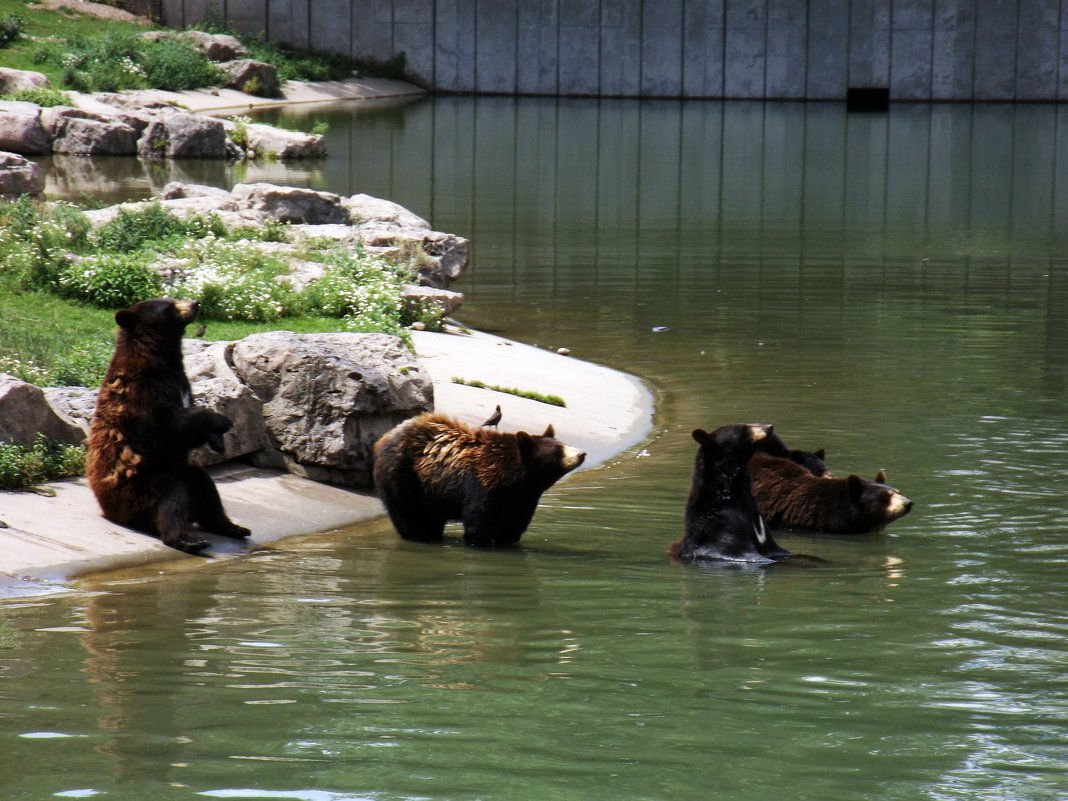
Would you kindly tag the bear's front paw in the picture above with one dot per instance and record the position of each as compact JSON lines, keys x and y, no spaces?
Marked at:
{"x":233,"y":530}
{"x":215,"y":442}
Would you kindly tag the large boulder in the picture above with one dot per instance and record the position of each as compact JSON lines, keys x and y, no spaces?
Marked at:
{"x":182,"y":135}
{"x":391,"y":230}
{"x":81,"y":133}
{"x":18,"y":80}
{"x":21,"y":130}
{"x":251,"y":77}
{"x":266,"y":140}
{"x":328,"y":397}
{"x":20,"y":176}
{"x":291,"y":204}
{"x":25,"y":412}
{"x":215,"y":386}
{"x":217,"y":46}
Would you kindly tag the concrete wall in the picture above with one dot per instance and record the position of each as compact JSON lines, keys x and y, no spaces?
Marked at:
{"x":998,"y":50}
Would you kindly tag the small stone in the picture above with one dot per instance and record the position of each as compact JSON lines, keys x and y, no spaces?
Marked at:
{"x":564,"y":351}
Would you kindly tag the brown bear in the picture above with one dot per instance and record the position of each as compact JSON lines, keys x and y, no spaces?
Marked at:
{"x":433,"y":469}
{"x":144,"y":427}
{"x":790,"y":496}
{"x":722,"y":519}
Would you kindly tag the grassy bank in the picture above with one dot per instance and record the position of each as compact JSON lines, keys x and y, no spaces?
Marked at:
{"x":82,"y":52}
{"x":61,"y":281}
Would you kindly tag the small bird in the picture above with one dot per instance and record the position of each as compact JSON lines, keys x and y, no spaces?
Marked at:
{"x":200,"y":331}
{"x":493,"y":418}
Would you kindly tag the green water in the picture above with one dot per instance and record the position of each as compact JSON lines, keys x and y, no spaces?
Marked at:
{"x":892,"y":288}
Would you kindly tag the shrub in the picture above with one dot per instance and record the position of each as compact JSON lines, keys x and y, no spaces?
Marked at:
{"x":133,"y":230}
{"x":110,"y":280}
{"x":35,"y":240}
{"x":234,"y":281}
{"x":365,"y":290}
{"x":176,"y":64}
{"x":22,"y":467}
{"x":83,"y":368}
{"x":10,"y":29}
{"x":44,"y":96}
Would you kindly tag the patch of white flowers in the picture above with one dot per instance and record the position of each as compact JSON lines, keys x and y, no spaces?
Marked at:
{"x":232,"y":280}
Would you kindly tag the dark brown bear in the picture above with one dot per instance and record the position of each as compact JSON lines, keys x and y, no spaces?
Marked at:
{"x":722,"y":519}
{"x":433,"y":469}
{"x":144,"y":427}
{"x":790,"y":496}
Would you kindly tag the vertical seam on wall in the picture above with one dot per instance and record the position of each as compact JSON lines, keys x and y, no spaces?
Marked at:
{"x":682,"y":50}
{"x":931,"y":64}
{"x":808,"y":42}
{"x":641,"y":53}
{"x":975,"y":43}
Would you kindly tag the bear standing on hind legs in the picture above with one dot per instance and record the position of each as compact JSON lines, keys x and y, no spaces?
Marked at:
{"x":144,"y":427}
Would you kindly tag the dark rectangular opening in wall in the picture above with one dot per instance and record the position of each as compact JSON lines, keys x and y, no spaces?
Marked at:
{"x":867,"y":98}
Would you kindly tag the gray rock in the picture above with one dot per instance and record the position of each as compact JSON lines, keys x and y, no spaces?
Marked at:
{"x":76,"y":404}
{"x":20,"y":176}
{"x":268,"y":141}
{"x":21,"y":130}
{"x":291,"y":204}
{"x":217,"y":46}
{"x":215,"y":386}
{"x":328,"y":397}
{"x":182,"y":135}
{"x":364,"y":208}
{"x":252,"y":77}
{"x":443,"y":301}
{"x":25,"y":413}
{"x":76,"y":133}
{"x":439,"y":258}
{"x":17,"y":80}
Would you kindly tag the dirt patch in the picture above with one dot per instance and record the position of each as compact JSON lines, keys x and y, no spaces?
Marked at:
{"x":96,"y":9}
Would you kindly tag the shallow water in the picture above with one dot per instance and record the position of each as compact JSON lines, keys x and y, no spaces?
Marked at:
{"x":890,"y":287}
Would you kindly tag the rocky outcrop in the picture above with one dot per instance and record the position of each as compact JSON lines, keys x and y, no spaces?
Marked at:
{"x":217,"y":46}
{"x":251,"y":77}
{"x":291,"y":204}
{"x":80,"y":133}
{"x":19,"y":80}
{"x":25,"y":413}
{"x":21,"y":130}
{"x":269,"y":142}
{"x":19,"y":176}
{"x":182,"y":135}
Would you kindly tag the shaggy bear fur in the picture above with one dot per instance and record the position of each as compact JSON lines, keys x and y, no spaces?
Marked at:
{"x":144,"y":427}
{"x":789,"y":496}
{"x":722,"y":519}
{"x":433,"y":469}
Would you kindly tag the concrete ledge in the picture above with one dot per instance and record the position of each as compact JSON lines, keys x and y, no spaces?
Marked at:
{"x":49,"y":540}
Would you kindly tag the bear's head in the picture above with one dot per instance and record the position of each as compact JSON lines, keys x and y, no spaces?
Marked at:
{"x":547,"y":459}
{"x":156,"y":324}
{"x":738,"y":441}
{"x":875,"y":504}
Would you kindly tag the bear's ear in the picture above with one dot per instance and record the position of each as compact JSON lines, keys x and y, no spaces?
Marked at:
{"x":125,"y":318}
{"x":525,"y":443}
{"x":856,"y":487}
{"x":881,"y":477}
{"x":550,"y":432}
{"x":700,"y":435}
{"x":821,"y":455}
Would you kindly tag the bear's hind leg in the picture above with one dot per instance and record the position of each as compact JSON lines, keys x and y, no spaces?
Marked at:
{"x":172,"y":519}
{"x":206,"y":506}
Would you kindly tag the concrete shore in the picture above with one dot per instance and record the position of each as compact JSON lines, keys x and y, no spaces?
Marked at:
{"x":45,"y":541}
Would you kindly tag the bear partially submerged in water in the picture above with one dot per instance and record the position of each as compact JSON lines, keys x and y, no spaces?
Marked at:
{"x":722,"y":518}
{"x":790,"y":496}
{"x":433,"y":469}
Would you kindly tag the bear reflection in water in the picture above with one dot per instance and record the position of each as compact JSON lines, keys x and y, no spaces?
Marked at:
{"x":433,"y":469}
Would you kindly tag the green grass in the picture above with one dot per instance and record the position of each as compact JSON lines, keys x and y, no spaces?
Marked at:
{"x":552,"y":400}
{"x":46,"y":460}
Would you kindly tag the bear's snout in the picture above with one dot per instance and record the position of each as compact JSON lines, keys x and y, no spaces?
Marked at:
{"x":573,"y":457}
{"x":188,"y":309}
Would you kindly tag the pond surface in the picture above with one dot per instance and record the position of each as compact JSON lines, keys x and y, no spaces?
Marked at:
{"x":893,"y":288}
